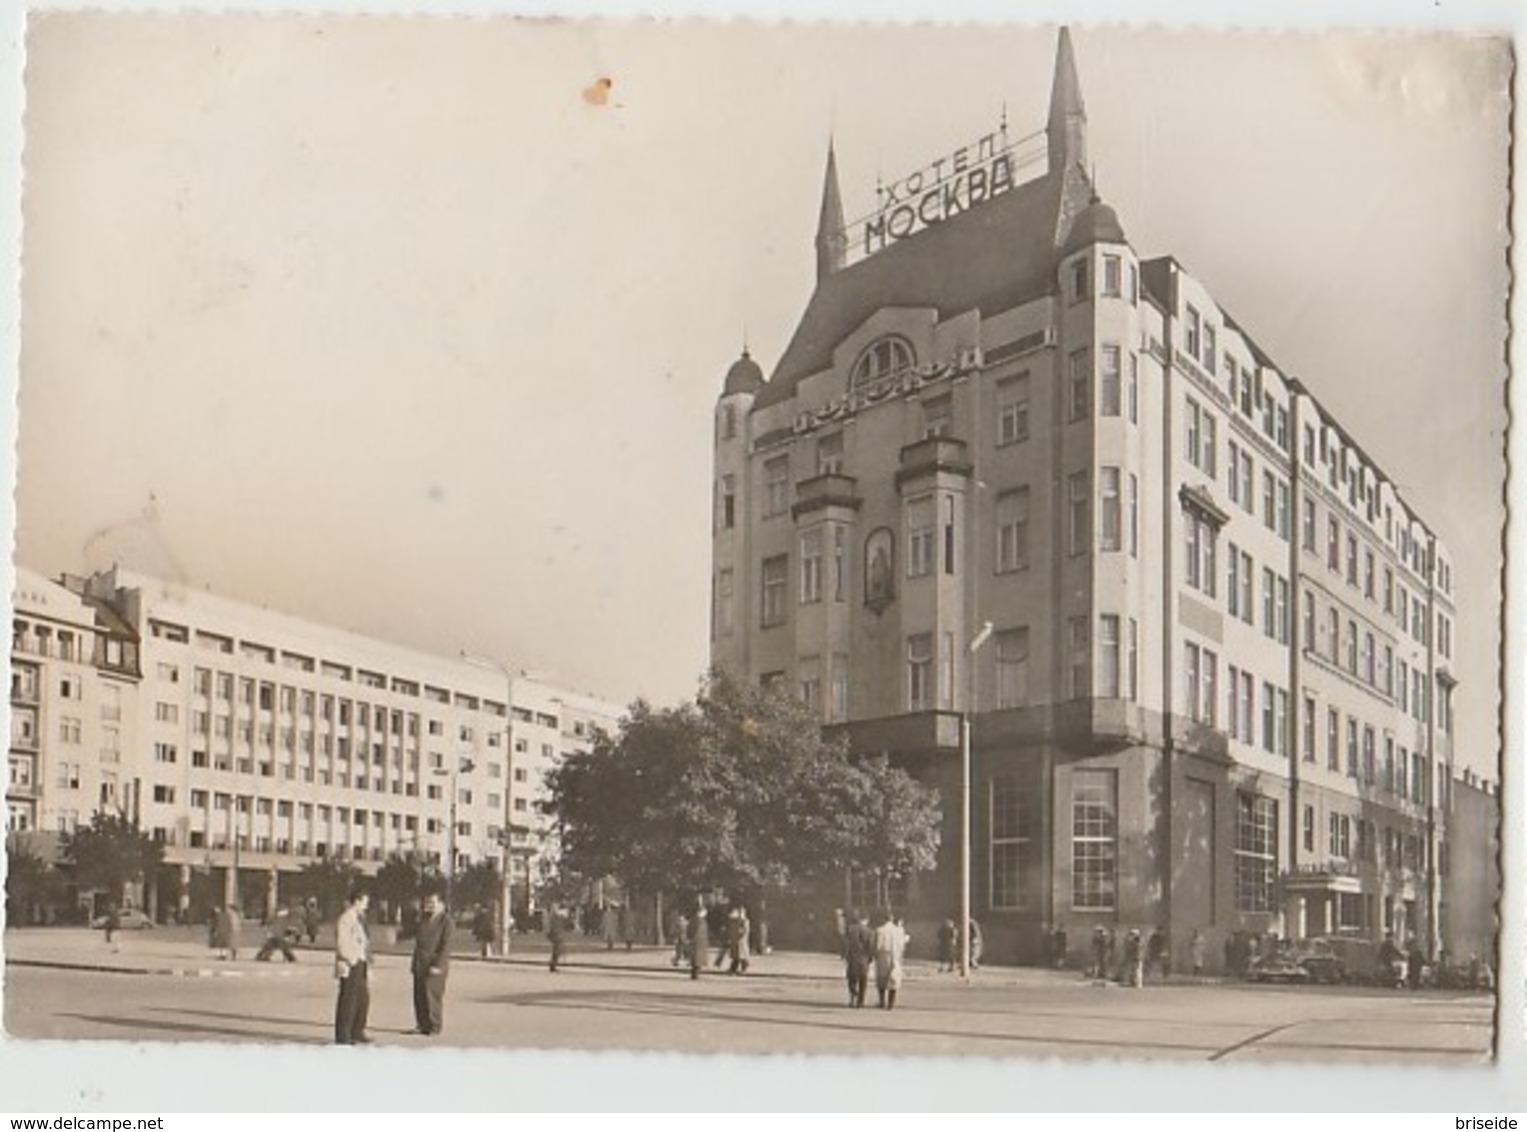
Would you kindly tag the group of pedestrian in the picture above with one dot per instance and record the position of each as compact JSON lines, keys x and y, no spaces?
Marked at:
{"x":1130,"y":959}
{"x":881,"y":945}
{"x":949,"y":945}
{"x":352,"y":954}
{"x":223,"y":931}
{"x":728,"y":925}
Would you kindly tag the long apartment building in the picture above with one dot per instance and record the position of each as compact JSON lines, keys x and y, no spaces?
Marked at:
{"x":1217,"y":691}
{"x":250,"y":742}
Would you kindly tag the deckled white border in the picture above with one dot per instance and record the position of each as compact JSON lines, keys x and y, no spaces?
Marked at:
{"x":102,"y":1078}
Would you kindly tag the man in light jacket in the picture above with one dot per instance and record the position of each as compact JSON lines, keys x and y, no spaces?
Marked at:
{"x":432,"y":962}
{"x":351,"y":952}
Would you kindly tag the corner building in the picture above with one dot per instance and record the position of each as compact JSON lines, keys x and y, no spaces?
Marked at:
{"x":1217,"y":691}
{"x":251,"y":743}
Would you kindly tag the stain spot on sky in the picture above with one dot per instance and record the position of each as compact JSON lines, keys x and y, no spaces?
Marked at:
{"x":598,"y":93}
{"x":435,"y":493}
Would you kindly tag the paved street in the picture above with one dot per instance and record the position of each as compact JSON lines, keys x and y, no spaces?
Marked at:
{"x":166,"y":989}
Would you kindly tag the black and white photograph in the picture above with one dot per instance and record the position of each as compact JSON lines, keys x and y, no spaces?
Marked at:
{"x":971,"y":542}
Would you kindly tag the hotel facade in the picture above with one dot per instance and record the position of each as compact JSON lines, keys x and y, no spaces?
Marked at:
{"x":1213,"y":668}
{"x":250,"y":743}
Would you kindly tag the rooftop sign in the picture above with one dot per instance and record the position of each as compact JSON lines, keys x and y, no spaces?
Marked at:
{"x":970,"y":176}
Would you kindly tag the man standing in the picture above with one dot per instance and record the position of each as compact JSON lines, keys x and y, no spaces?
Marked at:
{"x":432,"y":960}
{"x":351,"y":950}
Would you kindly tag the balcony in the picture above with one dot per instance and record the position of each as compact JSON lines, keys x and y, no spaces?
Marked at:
{"x":830,"y":490}
{"x":931,"y":455}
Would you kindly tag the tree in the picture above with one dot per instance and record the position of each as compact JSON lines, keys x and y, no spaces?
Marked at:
{"x":328,"y":880}
{"x":31,"y":884}
{"x":478,"y":883}
{"x":401,"y":879}
{"x":735,"y":790}
{"x":110,"y":853}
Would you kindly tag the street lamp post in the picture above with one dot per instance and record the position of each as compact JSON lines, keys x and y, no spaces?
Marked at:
{"x":965,"y":726}
{"x":506,"y":840}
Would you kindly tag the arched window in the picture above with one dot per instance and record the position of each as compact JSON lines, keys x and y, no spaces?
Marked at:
{"x":882,"y":357}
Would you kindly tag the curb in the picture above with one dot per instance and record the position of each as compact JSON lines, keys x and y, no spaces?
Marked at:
{"x":287,"y":972}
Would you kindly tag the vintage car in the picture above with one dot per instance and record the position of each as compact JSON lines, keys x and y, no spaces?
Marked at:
{"x":128,"y":919}
{"x":1279,"y":967}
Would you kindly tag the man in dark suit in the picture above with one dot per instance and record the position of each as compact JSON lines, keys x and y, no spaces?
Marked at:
{"x":432,"y":961}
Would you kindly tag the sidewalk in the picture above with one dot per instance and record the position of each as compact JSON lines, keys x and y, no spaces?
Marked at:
{"x":183,"y":951}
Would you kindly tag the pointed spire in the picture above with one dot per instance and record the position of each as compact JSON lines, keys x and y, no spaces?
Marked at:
{"x":1067,"y":126}
{"x":832,"y":240}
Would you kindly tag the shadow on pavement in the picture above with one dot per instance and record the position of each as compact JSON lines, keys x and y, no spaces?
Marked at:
{"x":191,"y":1030}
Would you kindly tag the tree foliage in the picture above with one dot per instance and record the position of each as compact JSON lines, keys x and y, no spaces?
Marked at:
{"x":478,"y":883}
{"x":31,"y":883}
{"x":736,"y":789}
{"x":327,"y":880}
{"x":110,"y":853}
{"x":402,"y":878}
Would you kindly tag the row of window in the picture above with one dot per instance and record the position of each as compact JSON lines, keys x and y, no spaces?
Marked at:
{"x":1401,"y":773}
{"x":1395,"y":848}
{"x":1244,"y":384}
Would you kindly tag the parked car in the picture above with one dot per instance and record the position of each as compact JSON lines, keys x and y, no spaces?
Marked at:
{"x":1322,"y":964}
{"x":1278,"y":968}
{"x":128,"y":919}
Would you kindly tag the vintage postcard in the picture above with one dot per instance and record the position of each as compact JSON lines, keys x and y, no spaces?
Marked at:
{"x":728,"y":538}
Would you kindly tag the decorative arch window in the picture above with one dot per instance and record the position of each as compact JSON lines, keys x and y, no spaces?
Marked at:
{"x":880,"y":358}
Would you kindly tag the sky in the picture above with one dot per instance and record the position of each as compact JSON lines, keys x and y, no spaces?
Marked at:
{"x":393,"y":324}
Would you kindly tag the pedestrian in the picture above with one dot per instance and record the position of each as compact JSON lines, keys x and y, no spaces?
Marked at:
{"x":310,"y":919}
{"x":737,"y":940}
{"x":841,"y":924}
{"x":890,"y":951}
{"x":858,"y":954}
{"x":699,"y":938}
{"x":112,"y":922}
{"x":556,"y":935}
{"x":1415,"y":963}
{"x":431,"y":964}
{"x":351,"y":955}
{"x":1099,"y":952}
{"x":221,"y":933}
{"x":278,"y":938}
{"x":482,"y":930}
{"x":1197,"y":948}
{"x":719,"y":924}
{"x":976,"y":945}
{"x":948,"y":940}
{"x":1134,"y":959}
{"x":627,"y":922}
{"x":680,"y":939}
{"x":1060,"y":945}
{"x":1157,"y":958}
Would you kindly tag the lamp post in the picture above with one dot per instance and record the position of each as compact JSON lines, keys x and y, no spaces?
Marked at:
{"x":505,"y":839}
{"x":965,"y":723}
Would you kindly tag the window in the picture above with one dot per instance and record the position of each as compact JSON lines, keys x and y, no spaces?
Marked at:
{"x":774,"y":575}
{"x":1333,"y":544}
{"x":1134,"y":516}
{"x":837,"y":704}
{"x":1333,"y":739}
{"x":811,"y":683}
{"x":920,"y":672}
{"x":728,"y":517}
{"x":1081,"y":646}
{"x":1370,"y":758}
{"x":1191,"y":331}
{"x":1201,"y":439}
{"x":725,"y":590}
{"x":920,"y":537}
{"x":1309,"y":829}
{"x":1307,"y":632}
{"x":811,"y":566}
{"x":1109,"y":518}
{"x":1132,"y":661}
{"x":1340,"y":836}
{"x":1368,"y":574}
{"x":830,"y":454}
{"x":839,"y":563}
{"x":1307,"y":519}
{"x":1281,"y":509}
{"x":1200,"y":689}
{"x":1307,"y":730}
{"x":1112,"y":276}
{"x":1209,"y":347}
{"x":1369,"y":659}
{"x":776,"y":485}
{"x":1079,"y":384}
{"x":1080,"y":532}
{"x":1108,"y":388}
{"x":1094,"y":831}
{"x":1109,"y":668}
{"x":881,"y":359}
{"x":938,"y":416}
{"x":1012,"y":647}
{"x":1079,"y":288}
{"x":69,"y":729}
{"x":1352,"y":647}
{"x":1201,"y":534}
{"x":1012,"y":817}
{"x":165,"y":795}
{"x":1352,"y":754}
{"x":1134,"y":388}
{"x":1351,"y":559}
{"x":164,"y":752}
{"x":1013,"y":530}
{"x":1013,"y":410}
{"x":167,"y":713}
{"x":1256,"y":852}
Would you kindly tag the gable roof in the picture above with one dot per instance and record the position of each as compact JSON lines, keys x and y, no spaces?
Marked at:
{"x":989,"y":258}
